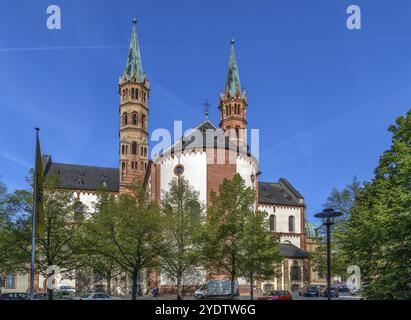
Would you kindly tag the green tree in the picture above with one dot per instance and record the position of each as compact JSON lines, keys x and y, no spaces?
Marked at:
{"x":126,"y":230}
{"x":261,"y":255}
{"x":378,"y":237}
{"x":318,"y":260}
{"x":60,"y":244}
{"x":181,"y":212}
{"x":343,"y":200}
{"x":230,"y":234}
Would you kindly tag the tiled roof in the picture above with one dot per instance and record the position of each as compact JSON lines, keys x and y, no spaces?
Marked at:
{"x":193,"y":141}
{"x":282,"y":193}
{"x":81,"y":177}
{"x":289,"y":250}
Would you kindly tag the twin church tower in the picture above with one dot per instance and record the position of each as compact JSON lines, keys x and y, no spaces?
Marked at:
{"x":134,"y":91}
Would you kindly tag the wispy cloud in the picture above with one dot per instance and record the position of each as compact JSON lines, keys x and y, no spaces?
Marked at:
{"x":15,"y":160}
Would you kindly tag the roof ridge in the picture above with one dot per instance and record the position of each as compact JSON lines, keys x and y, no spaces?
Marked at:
{"x":83,"y":165}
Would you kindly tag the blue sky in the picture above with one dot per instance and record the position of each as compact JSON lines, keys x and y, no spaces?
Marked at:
{"x":321,"y":95}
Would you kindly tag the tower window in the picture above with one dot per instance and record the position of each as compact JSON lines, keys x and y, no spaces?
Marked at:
{"x":136,"y":93}
{"x":123,"y":166}
{"x":291,"y":224}
{"x":135,"y":118}
{"x":143,"y":121}
{"x":125,"y":118}
{"x":134,"y":148}
{"x":145,"y":151}
{"x":123,"y":150}
{"x":132,"y":93}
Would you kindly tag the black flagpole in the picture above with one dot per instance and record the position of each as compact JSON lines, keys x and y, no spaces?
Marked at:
{"x":33,"y":233}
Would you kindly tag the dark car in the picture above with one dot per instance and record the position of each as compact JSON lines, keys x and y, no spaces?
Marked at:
{"x":343,"y":288}
{"x":333,"y":292}
{"x":276,"y":295}
{"x":310,"y":291}
{"x":14,"y":296}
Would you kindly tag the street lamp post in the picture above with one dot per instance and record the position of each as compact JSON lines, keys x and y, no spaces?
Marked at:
{"x":327,"y":217}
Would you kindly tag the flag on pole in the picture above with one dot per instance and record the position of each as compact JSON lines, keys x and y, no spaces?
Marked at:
{"x":40,"y":223}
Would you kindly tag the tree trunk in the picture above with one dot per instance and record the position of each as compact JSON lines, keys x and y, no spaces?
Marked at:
{"x":179,"y":287}
{"x":51,"y":294}
{"x":109,"y":285}
{"x":252,"y":285}
{"x":232,"y":287}
{"x":135,"y":278}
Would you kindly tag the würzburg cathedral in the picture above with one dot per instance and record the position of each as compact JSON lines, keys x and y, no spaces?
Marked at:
{"x":195,"y":160}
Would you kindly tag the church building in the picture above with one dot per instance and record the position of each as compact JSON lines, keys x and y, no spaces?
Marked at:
{"x":205,"y":157}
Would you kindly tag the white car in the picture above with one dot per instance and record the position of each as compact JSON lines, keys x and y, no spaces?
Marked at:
{"x":66,"y":290}
{"x":97,"y":296}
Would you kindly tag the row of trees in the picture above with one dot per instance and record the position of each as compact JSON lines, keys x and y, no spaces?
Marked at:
{"x":127,"y":234}
{"x":375,"y":230}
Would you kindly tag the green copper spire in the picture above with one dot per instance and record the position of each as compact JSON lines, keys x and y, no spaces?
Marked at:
{"x":233,"y":78}
{"x":134,"y":67}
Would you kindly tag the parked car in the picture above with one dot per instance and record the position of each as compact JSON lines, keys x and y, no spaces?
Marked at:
{"x":309,"y":291}
{"x":41,"y":296}
{"x":217,"y":289}
{"x":15,"y":296}
{"x":96,"y":296}
{"x":276,"y":295}
{"x":65,"y":290}
{"x":333,"y":292}
{"x":342,"y":287}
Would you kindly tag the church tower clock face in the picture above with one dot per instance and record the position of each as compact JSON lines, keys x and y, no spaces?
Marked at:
{"x":179,"y":170}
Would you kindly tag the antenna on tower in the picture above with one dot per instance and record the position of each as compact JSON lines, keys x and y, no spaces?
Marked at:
{"x":206,"y":106}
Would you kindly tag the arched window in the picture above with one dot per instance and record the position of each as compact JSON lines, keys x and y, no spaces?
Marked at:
{"x":272,"y":223}
{"x":132,"y":93}
{"x":125,"y":118}
{"x":237,"y":132}
{"x":135,"y":118}
{"x":291,"y":224}
{"x":123,"y":166}
{"x":134,"y":148}
{"x":136,"y":93}
{"x":123,"y":150}
{"x":143,"y":121}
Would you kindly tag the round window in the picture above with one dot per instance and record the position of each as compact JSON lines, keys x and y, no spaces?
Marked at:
{"x":179,"y":170}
